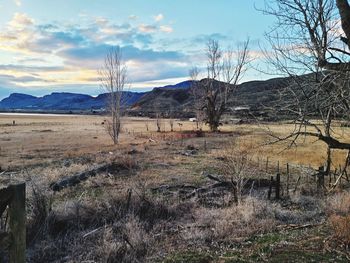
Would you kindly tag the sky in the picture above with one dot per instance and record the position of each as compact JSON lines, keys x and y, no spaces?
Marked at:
{"x":56,"y":46}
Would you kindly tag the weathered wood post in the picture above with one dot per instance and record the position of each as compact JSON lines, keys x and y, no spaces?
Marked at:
{"x":320,"y":178}
{"x":128,"y":200}
{"x":267,"y":163}
{"x":297,"y":184}
{"x":287,"y":187}
{"x":278,"y":186}
{"x":270,"y":188}
{"x":17,"y":223}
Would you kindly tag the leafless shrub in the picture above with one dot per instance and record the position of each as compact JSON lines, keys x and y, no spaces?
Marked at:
{"x":236,"y":166}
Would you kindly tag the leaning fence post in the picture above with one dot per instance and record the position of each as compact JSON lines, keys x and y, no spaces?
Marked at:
{"x":17,"y":223}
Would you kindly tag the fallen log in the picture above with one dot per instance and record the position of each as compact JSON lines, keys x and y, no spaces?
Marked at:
{"x":79,"y":177}
{"x":248,"y":183}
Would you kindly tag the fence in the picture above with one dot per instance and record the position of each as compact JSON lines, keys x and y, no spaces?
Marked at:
{"x":12,"y":223}
{"x":290,"y":176}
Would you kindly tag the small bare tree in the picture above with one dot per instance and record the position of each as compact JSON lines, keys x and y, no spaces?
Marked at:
{"x":225,"y":69}
{"x":158,"y":115}
{"x":171,"y":123}
{"x":113,"y":79}
{"x":237,"y":166}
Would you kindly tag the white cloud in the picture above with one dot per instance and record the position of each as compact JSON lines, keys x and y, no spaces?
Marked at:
{"x":158,"y":17}
{"x":147,"y":28}
{"x":132,"y":17}
{"x":166,"y":29}
{"x":18,"y":2}
{"x":21,"y":21}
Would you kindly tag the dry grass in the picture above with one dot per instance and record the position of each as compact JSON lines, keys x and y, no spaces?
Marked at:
{"x":36,"y":139}
{"x":250,"y":217}
{"x":97,"y":220}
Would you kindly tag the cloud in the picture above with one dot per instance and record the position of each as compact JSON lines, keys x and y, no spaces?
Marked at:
{"x":18,"y":2}
{"x":204,"y":38}
{"x":133,"y":17}
{"x":147,"y":28}
{"x":166,"y":29}
{"x":158,"y":17}
{"x":93,"y":53}
{"x":21,"y":21}
{"x":58,"y":54}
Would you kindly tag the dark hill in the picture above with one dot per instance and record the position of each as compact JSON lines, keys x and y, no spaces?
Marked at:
{"x":253,"y":94}
{"x":63,"y":101}
{"x":171,"y":99}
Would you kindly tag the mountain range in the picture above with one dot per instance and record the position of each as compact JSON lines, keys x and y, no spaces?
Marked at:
{"x":176,"y":98}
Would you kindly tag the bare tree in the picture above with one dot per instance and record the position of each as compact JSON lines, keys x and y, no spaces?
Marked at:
{"x":308,"y":39}
{"x":113,"y":79}
{"x":225,"y":68}
{"x":198,"y":95}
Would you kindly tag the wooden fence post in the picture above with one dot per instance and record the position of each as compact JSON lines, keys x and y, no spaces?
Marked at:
{"x":287,"y":179}
{"x":17,"y":223}
{"x":278,"y":185}
{"x":270,"y":188}
{"x":267,"y":163}
{"x":320,"y":178}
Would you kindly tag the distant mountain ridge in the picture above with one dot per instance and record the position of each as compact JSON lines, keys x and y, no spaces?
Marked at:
{"x":63,"y":101}
{"x":169,"y":99}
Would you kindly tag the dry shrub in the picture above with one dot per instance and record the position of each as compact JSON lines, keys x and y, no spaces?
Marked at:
{"x":341,"y":227}
{"x":121,"y":228}
{"x":40,"y":214}
{"x":124,"y":242}
{"x":338,"y":209}
{"x":339,"y":204}
{"x":252,"y":216}
{"x":300,"y":210}
{"x":236,"y":165}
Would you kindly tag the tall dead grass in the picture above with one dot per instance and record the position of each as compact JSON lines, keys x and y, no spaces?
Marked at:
{"x":338,"y":209}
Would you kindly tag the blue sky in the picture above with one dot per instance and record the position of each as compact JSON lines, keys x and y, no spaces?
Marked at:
{"x":48,"y":46}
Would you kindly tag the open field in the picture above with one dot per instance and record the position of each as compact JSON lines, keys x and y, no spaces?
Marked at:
{"x":156,"y":203}
{"x":44,"y":138}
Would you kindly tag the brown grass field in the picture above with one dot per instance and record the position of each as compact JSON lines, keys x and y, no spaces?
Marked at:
{"x":144,"y":210}
{"x":43,"y":138}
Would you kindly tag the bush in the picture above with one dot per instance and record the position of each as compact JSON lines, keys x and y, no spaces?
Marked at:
{"x":341,"y":227}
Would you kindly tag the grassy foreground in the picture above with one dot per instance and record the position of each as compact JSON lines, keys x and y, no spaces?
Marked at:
{"x":155,"y":208}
